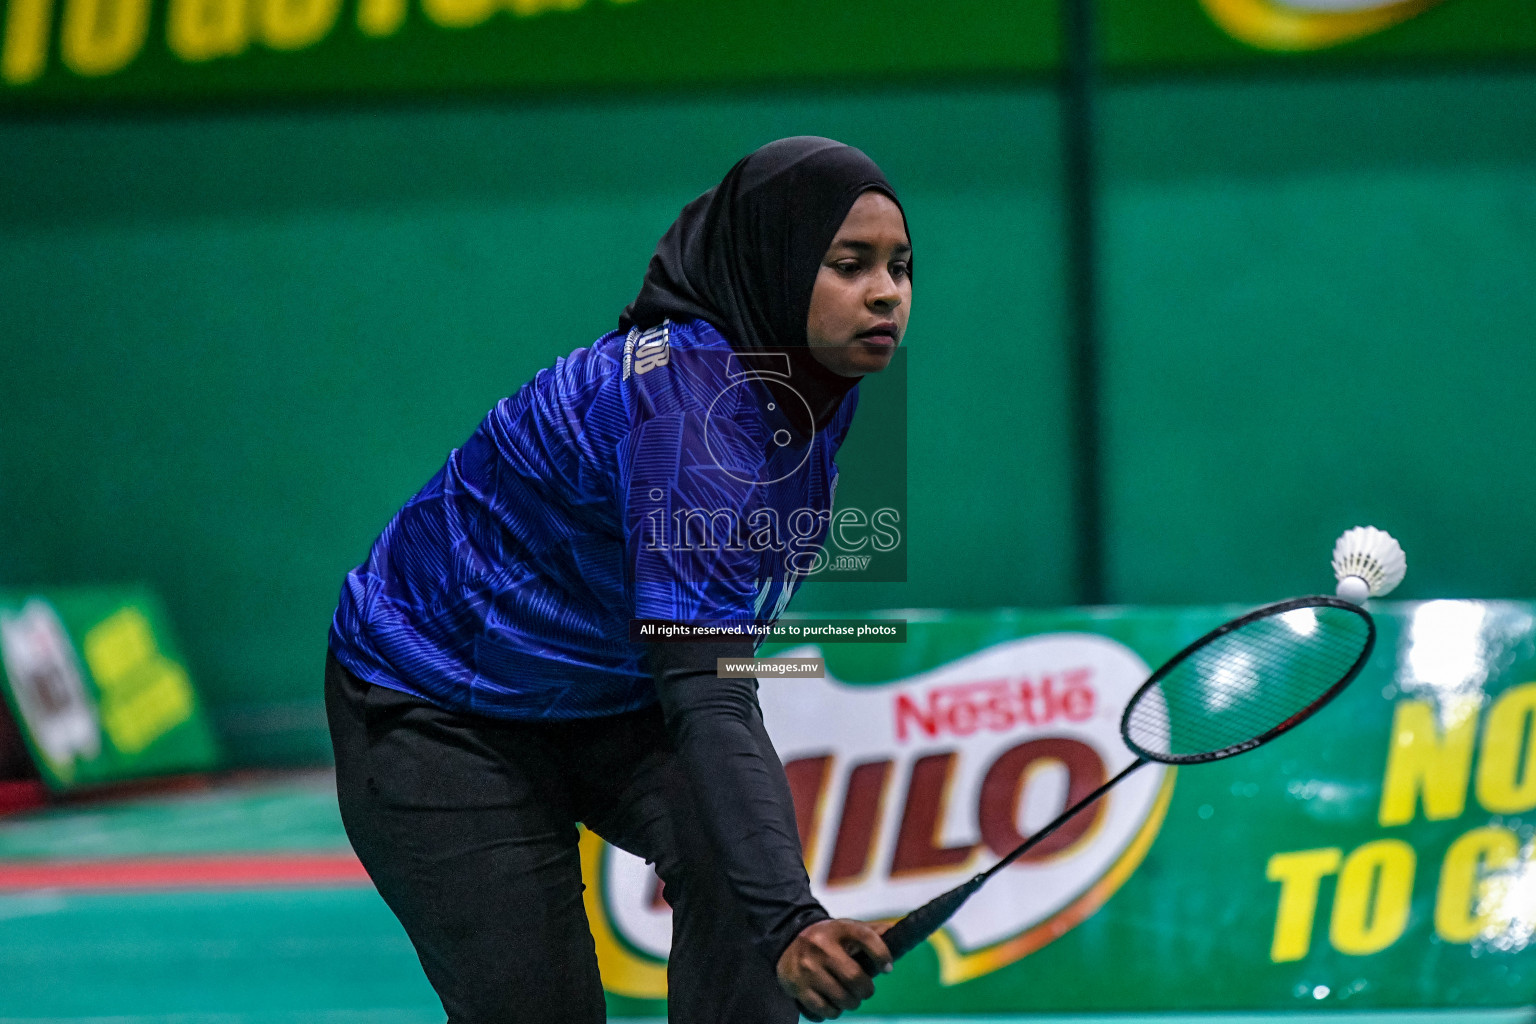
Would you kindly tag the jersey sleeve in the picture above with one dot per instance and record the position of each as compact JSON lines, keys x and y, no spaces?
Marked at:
{"x":689,"y":518}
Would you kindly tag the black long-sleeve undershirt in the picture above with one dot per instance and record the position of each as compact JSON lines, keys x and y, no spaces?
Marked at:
{"x":716,"y":727}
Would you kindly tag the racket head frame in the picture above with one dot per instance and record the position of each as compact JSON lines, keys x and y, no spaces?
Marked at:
{"x":1264,"y":612}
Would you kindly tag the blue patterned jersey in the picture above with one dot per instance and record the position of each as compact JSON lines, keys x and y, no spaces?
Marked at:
{"x":650,"y":475}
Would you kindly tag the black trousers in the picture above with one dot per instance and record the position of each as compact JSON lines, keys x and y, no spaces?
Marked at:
{"x":467,"y":826}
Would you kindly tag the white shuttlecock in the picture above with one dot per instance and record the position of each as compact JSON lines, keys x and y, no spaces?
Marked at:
{"x":1367,"y":563}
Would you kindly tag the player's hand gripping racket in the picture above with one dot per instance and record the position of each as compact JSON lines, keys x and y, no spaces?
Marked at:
{"x":1234,"y":689}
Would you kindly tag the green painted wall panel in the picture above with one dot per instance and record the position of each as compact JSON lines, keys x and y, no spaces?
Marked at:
{"x":1317,"y":310}
{"x":236,"y":343}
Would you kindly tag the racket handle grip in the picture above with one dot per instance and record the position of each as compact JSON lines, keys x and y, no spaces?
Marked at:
{"x":904,"y":936}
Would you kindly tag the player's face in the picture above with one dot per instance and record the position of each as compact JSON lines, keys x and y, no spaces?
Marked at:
{"x":863,"y":290}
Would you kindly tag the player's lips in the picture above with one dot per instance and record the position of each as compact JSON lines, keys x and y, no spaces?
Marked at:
{"x":881,"y":334}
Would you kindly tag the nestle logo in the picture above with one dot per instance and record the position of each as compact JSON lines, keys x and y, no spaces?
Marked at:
{"x":997,"y":705}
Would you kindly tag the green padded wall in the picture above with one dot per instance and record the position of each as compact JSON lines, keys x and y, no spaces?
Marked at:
{"x":235,"y":342}
{"x":1318,"y":299}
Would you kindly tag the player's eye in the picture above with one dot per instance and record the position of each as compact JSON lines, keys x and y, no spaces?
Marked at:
{"x":848,"y":267}
{"x":900,"y":269}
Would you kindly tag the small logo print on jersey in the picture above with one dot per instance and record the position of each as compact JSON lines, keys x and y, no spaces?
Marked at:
{"x":651,"y":352}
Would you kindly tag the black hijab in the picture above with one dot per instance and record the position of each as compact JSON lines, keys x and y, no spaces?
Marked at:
{"x":744,"y":256}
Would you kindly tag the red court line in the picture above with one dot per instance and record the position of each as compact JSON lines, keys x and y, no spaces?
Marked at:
{"x":207,"y":872}
{"x":22,"y":795}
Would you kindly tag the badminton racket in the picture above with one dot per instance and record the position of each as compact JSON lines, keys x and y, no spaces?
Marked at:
{"x":1234,"y":689}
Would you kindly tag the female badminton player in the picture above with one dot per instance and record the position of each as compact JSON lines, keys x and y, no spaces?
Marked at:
{"x":484,"y":691}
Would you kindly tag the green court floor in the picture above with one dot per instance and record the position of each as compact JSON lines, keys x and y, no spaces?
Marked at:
{"x":314,"y":954}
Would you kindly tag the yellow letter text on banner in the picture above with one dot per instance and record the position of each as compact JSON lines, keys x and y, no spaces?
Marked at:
{"x":1299,"y":874}
{"x":1461,"y":910}
{"x":1370,"y":907}
{"x":459,"y":13}
{"x":102,"y":36}
{"x":1426,"y":760}
{"x":525,"y":8}
{"x":380,"y":18}
{"x":199,"y":30}
{"x":25,"y":54}
{"x":1506,"y":767}
{"x":295,"y":24}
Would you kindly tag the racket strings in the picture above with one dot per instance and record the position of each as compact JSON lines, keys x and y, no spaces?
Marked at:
{"x":1265,"y":666}
{"x":1235,"y":691}
{"x":1226,"y":693}
{"x":1242,"y":685}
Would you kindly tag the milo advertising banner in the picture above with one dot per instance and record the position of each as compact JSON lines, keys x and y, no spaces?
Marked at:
{"x":115,"y":50}
{"x":1380,"y":856}
{"x":94,"y":680}
{"x":1174,"y":32}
